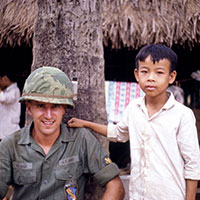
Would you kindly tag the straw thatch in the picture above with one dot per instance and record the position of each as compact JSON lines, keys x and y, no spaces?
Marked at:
{"x":16,"y":21}
{"x":131,"y":23}
{"x":137,"y":22}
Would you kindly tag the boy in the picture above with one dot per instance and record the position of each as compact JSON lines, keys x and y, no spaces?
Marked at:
{"x":10,"y":108}
{"x":165,"y":157}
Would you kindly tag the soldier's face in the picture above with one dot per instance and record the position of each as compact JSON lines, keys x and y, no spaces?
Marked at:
{"x":47,"y":117}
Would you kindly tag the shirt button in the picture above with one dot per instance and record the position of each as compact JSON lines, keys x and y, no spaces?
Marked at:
{"x":19,"y":180}
{"x":70,"y":176}
{"x":45,"y":181}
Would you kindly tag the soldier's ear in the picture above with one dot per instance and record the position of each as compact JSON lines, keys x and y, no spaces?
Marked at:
{"x":28,"y":107}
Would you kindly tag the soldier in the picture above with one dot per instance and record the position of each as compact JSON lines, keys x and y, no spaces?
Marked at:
{"x":46,"y":159}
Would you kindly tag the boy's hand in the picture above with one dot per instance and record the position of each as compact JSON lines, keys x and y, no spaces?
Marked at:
{"x":75,"y":122}
{"x":79,"y":123}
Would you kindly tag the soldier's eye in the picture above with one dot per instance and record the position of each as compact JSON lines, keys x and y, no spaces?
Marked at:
{"x":40,"y":105}
{"x":55,"y":106}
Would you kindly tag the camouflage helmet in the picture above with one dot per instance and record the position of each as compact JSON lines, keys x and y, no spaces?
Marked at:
{"x":49,"y":85}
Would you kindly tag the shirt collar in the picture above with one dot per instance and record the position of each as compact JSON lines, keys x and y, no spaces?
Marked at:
{"x":170,"y":102}
{"x":65,"y":135}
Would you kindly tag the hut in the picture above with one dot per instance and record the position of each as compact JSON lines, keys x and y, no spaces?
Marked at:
{"x":127,"y":25}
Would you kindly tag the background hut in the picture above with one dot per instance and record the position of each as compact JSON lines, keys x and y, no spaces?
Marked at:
{"x":126,"y":23}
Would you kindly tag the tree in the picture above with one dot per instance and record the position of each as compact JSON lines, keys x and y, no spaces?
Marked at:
{"x":68,"y":35}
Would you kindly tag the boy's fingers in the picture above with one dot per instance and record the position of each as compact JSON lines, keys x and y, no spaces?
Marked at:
{"x":70,"y":122}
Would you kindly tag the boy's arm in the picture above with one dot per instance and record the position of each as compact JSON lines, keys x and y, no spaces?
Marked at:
{"x":191,"y":187}
{"x":99,"y":128}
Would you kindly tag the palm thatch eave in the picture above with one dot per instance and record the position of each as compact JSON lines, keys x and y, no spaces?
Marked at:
{"x":135,"y":23}
{"x":16,"y":22}
{"x":131,"y":23}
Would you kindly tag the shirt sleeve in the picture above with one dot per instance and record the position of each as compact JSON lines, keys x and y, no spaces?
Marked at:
{"x":98,"y":162}
{"x":9,"y":96}
{"x":119,"y":132}
{"x":189,"y":146}
{"x":5,"y":169}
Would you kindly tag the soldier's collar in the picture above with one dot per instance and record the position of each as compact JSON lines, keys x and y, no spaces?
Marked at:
{"x":65,"y":134}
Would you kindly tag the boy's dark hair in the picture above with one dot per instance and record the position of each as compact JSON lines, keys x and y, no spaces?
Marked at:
{"x":157,"y":53}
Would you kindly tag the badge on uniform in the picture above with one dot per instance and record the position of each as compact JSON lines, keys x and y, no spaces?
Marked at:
{"x":71,"y":190}
{"x":107,"y":160}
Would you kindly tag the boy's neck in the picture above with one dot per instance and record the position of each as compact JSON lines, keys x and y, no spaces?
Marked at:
{"x":154,"y":104}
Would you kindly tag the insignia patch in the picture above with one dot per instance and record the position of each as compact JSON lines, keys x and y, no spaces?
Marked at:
{"x":71,"y":191}
{"x":107,"y":160}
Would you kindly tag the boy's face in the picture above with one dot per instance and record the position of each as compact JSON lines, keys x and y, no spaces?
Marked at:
{"x":154,"y":78}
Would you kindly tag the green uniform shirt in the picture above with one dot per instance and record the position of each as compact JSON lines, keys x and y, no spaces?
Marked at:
{"x":36,"y":176}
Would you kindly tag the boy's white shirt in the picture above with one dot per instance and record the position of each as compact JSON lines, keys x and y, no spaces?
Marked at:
{"x":10,"y":110}
{"x":164,"y":149}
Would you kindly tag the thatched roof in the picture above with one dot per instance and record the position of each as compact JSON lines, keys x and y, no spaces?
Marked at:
{"x":16,"y":21}
{"x":131,"y":23}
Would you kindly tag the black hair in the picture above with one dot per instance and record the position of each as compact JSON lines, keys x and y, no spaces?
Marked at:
{"x":9,"y":74}
{"x":157,"y":53}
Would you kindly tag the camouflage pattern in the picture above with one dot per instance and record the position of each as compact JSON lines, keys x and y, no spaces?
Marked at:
{"x":50,"y":85}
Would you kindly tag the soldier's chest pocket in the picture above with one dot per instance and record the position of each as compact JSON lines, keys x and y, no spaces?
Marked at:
{"x":23,"y":174}
{"x":68,"y":172}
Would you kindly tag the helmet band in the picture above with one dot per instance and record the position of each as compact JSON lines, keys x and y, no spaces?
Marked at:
{"x":49,"y":96}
